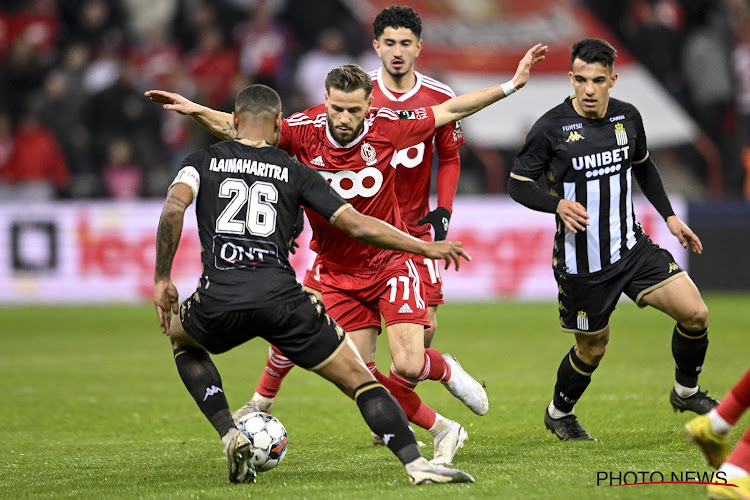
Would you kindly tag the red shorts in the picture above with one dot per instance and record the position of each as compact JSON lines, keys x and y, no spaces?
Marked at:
{"x":357,"y":301}
{"x":312,"y":275}
{"x":429,"y":273}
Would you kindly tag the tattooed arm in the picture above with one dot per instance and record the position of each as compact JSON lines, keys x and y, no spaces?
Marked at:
{"x":179,"y":197}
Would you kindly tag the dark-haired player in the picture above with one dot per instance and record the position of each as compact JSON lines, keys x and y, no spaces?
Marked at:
{"x":247,"y":195}
{"x":398,"y":86}
{"x":590,"y":148}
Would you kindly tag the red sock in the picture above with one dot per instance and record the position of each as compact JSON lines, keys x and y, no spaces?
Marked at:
{"x":736,"y":401}
{"x":435,"y":367}
{"x":277,"y":367}
{"x":416,"y":411}
{"x":741,"y":454}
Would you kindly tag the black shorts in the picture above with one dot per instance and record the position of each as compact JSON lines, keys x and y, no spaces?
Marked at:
{"x":586,"y":302}
{"x":300,"y":328}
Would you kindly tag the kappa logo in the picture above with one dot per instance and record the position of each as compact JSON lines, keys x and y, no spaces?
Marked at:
{"x":210,"y":391}
{"x":673,"y":267}
{"x":318,"y":161}
{"x":387,"y":437}
{"x":575,"y":136}
{"x":405,"y":309}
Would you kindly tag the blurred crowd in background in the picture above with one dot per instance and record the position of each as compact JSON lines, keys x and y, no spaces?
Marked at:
{"x":74,"y":122}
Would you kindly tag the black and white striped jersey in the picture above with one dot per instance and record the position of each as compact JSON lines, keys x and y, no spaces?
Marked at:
{"x":588,"y":161}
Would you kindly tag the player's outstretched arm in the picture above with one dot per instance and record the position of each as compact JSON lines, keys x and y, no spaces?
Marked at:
{"x":179,"y":197}
{"x":683,"y":233}
{"x":464,"y":105}
{"x":380,"y":234}
{"x":218,"y":123}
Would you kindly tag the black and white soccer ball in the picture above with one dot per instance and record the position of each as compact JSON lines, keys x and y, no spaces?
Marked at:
{"x":267,"y":437}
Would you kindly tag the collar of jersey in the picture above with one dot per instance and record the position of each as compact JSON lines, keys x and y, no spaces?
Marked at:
{"x":353,"y":142}
{"x":390,"y":95}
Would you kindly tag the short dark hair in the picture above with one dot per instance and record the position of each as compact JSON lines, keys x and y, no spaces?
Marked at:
{"x":397,"y":17}
{"x":257,"y":99}
{"x":593,"y":50}
{"x":349,"y":78}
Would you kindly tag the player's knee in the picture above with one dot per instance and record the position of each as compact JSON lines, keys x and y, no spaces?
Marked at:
{"x":591,"y":353}
{"x":407,"y":368}
{"x":696,"y":318}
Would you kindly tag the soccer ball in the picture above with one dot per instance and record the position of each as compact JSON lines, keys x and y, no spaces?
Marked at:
{"x":267,"y":437}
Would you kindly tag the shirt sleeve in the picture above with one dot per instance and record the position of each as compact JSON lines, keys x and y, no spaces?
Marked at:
{"x":641,"y":148}
{"x":534,"y":157}
{"x":317,"y":194}
{"x":412,"y":126}
{"x":189,"y":172}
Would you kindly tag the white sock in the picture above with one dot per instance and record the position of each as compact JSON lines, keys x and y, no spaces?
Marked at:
{"x":732,"y":471}
{"x":555,"y":413}
{"x":441,"y":423}
{"x":718,"y":424}
{"x":419,"y":463}
{"x":684,"y":392}
{"x":226,"y":438}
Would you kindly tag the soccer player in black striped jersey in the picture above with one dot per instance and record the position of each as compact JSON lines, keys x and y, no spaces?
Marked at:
{"x":589,"y":149}
{"x":247,"y":195}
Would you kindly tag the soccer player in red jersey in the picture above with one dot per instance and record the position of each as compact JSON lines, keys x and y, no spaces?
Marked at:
{"x":398,"y":86}
{"x":356,"y":151}
{"x":712,"y":432}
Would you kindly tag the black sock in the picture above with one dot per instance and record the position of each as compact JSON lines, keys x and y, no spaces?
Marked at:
{"x":573,"y":377}
{"x":386,"y":419}
{"x":689,"y":350}
{"x":202,"y":379}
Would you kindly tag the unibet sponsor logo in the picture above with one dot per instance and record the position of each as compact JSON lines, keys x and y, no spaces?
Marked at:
{"x":603,"y":163}
{"x":574,"y":136}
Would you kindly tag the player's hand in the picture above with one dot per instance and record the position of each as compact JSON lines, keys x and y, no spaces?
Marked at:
{"x":440,"y":219}
{"x":684,"y":234}
{"x":166,"y":300}
{"x":534,"y":55}
{"x":292,"y":246}
{"x":173,"y":101}
{"x":449,"y":251}
{"x":573,"y":215}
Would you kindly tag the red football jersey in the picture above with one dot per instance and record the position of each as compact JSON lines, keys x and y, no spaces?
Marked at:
{"x":414,"y":162}
{"x":362,"y":172}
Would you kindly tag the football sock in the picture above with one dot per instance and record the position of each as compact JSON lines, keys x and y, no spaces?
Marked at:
{"x":441,"y":423}
{"x":740,"y":455}
{"x":435,"y":367}
{"x":203,"y":382}
{"x":684,"y":392}
{"x":416,"y":411}
{"x":689,"y":350}
{"x":732,"y":471}
{"x":573,"y":376}
{"x":381,"y":412}
{"x":277,"y":367}
{"x":718,"y":424}
{"x":734,"y":404}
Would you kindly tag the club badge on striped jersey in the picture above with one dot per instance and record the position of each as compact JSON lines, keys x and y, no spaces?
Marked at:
{"x":620,"y":134}
{"x":582,"y":321}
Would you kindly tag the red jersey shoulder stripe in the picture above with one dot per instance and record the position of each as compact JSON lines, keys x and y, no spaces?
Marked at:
{"x":436,"y":85}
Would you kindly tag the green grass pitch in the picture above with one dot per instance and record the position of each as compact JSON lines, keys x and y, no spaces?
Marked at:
{"x":92,"y":407}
